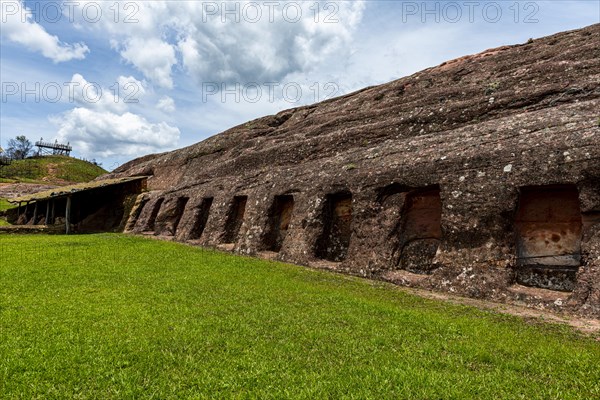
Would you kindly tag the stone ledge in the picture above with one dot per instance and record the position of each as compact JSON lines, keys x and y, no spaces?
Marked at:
{"x":525,"y":292}
{"x":29,"y":229}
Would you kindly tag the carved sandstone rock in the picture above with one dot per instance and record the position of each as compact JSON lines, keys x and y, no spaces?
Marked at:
{"x":352,"y":167}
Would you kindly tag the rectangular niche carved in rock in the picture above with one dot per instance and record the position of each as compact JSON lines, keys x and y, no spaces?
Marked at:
{"x":170,"y":214}
{"x":153,"y":214}
{"x":420,"y":230}
{"x":136,"y":211}
{"x":280,"y":215}
{"x":235,"y":218}
{"x":200,"y":218}
{"x":180,"y":208}
{"x":334,"y":241}
{"x":548,"y":227}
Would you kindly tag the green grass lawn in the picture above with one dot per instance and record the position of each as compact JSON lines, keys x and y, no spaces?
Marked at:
{"x":113,"y":316}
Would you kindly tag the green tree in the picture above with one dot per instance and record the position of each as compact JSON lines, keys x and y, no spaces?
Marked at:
{"x":19,"y":148}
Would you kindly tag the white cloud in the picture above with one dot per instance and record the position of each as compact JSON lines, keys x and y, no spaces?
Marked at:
{"x":19,"y":27}
{"x":131,"y":90}
{"x":115,"y":98}
{"x":153,"y":57}
{"x":266,"y":50}
{"x":102,"y":125}
{"x":93,"y":96}
{"x":129,"y":83}
{"x":213,"y":47}
{"x":106,"y":134}
{"x":166,"y":104}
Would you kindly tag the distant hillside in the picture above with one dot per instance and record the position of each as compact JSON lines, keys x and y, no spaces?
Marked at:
{"x":55,"y":170}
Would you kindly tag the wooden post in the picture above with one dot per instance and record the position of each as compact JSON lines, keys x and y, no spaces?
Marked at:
{"x":35,"y":208}
{"x":68,"y":216}
{"x":47,"y":213}
{"x":19,"y":210}
{"x":52,"y":212}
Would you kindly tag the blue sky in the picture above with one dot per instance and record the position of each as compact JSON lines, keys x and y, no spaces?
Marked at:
{"x":122,"y":79}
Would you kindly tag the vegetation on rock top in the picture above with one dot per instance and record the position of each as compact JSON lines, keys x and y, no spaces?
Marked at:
{"x":50,"y":170}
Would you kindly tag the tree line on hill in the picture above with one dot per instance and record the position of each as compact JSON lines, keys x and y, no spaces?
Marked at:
{"x":18,"y":148}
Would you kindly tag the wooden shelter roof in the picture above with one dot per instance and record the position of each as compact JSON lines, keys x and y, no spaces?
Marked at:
{"x":64,"y":191}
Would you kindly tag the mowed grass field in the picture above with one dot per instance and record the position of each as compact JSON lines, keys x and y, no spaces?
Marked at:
{"x":112,"y":316}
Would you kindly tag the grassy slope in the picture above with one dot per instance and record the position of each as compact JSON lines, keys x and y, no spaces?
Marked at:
{"x":49,"y":170}
{"x":5,"y":205}
{"x":112,"y":316}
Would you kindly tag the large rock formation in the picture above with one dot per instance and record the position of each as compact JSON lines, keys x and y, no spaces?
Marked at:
{"x":480,"y":176}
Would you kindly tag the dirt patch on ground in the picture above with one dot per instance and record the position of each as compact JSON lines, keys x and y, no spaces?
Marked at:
{"x":9,"y":190}
{"x":52,"y":175}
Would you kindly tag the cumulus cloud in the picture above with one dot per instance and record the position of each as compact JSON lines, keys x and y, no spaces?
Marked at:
{"x":153,"y":57}
{"x":106,"y":134}
{"x":19,"y":27}
{"x":229,"y":42}
{"x":101,"y":124}
{"x":214,"y":49}
{"x":131,"y":90}
{"x":166,"y":104}
{"x":93,"y":96}
{"x":128,"y":82}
